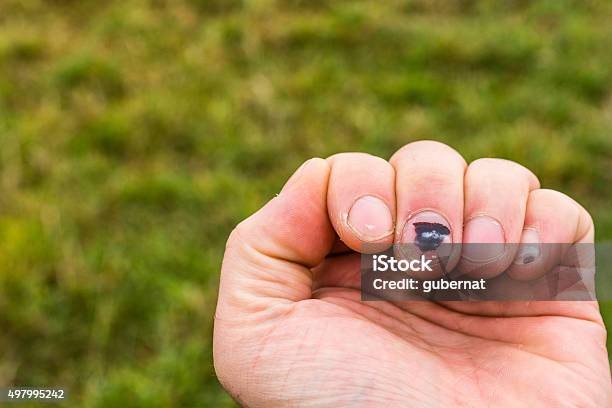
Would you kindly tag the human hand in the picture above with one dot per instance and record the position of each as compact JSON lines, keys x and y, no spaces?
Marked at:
{"x":291,"y":330}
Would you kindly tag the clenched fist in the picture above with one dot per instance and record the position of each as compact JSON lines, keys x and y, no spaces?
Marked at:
{"x":291,"y":329}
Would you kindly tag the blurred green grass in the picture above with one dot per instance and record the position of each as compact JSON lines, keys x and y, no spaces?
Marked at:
{"x":135,"y":134}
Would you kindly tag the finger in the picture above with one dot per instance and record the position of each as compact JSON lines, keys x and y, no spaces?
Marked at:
{"x":496,"y":193}
{"x":429,"y":194}
{"x":361,"y":200}
{"x":553,"y":223}
{"x":269,"y":255}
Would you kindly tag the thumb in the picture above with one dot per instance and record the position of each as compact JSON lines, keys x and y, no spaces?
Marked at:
{"x":269,"y":255}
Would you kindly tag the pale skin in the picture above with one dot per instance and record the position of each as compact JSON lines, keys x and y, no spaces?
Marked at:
{"x":291,"y":329}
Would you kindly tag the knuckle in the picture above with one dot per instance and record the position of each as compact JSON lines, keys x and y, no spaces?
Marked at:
{"x":503,"y":167}
{"x":558,"y":200}
{"x":564,"y":204}
{"x":346,"y":156}
{"x":429,"y":148}
{"x":493,"y":162}
{"x":427,"y":144}
{"x":336,"y":156}
{"x":343,"y":164}
{"x":553,"y":196}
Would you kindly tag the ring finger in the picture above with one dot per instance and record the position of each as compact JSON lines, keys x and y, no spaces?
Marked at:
{"x":496,"y":194}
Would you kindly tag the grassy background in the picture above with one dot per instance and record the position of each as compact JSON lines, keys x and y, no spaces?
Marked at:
{"x":135,"y":134}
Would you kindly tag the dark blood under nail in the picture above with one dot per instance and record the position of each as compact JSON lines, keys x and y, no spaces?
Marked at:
{"x":528,"y":259}
{"x":429,"y":235}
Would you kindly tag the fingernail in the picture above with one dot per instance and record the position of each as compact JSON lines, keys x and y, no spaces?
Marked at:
{"x":483,"y":239}
{"x":427,"y":230}
{"x":370,"y":218}
{"x":529,"y":249}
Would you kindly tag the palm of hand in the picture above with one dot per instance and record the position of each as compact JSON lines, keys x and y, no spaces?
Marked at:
{"x":336,"y":348}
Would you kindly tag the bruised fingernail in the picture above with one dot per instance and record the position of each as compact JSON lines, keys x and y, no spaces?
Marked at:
{"x":529,"y":248}
{"x":427,"y":230}
{"x":370,"y":218}
{"x":483,"y":239}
